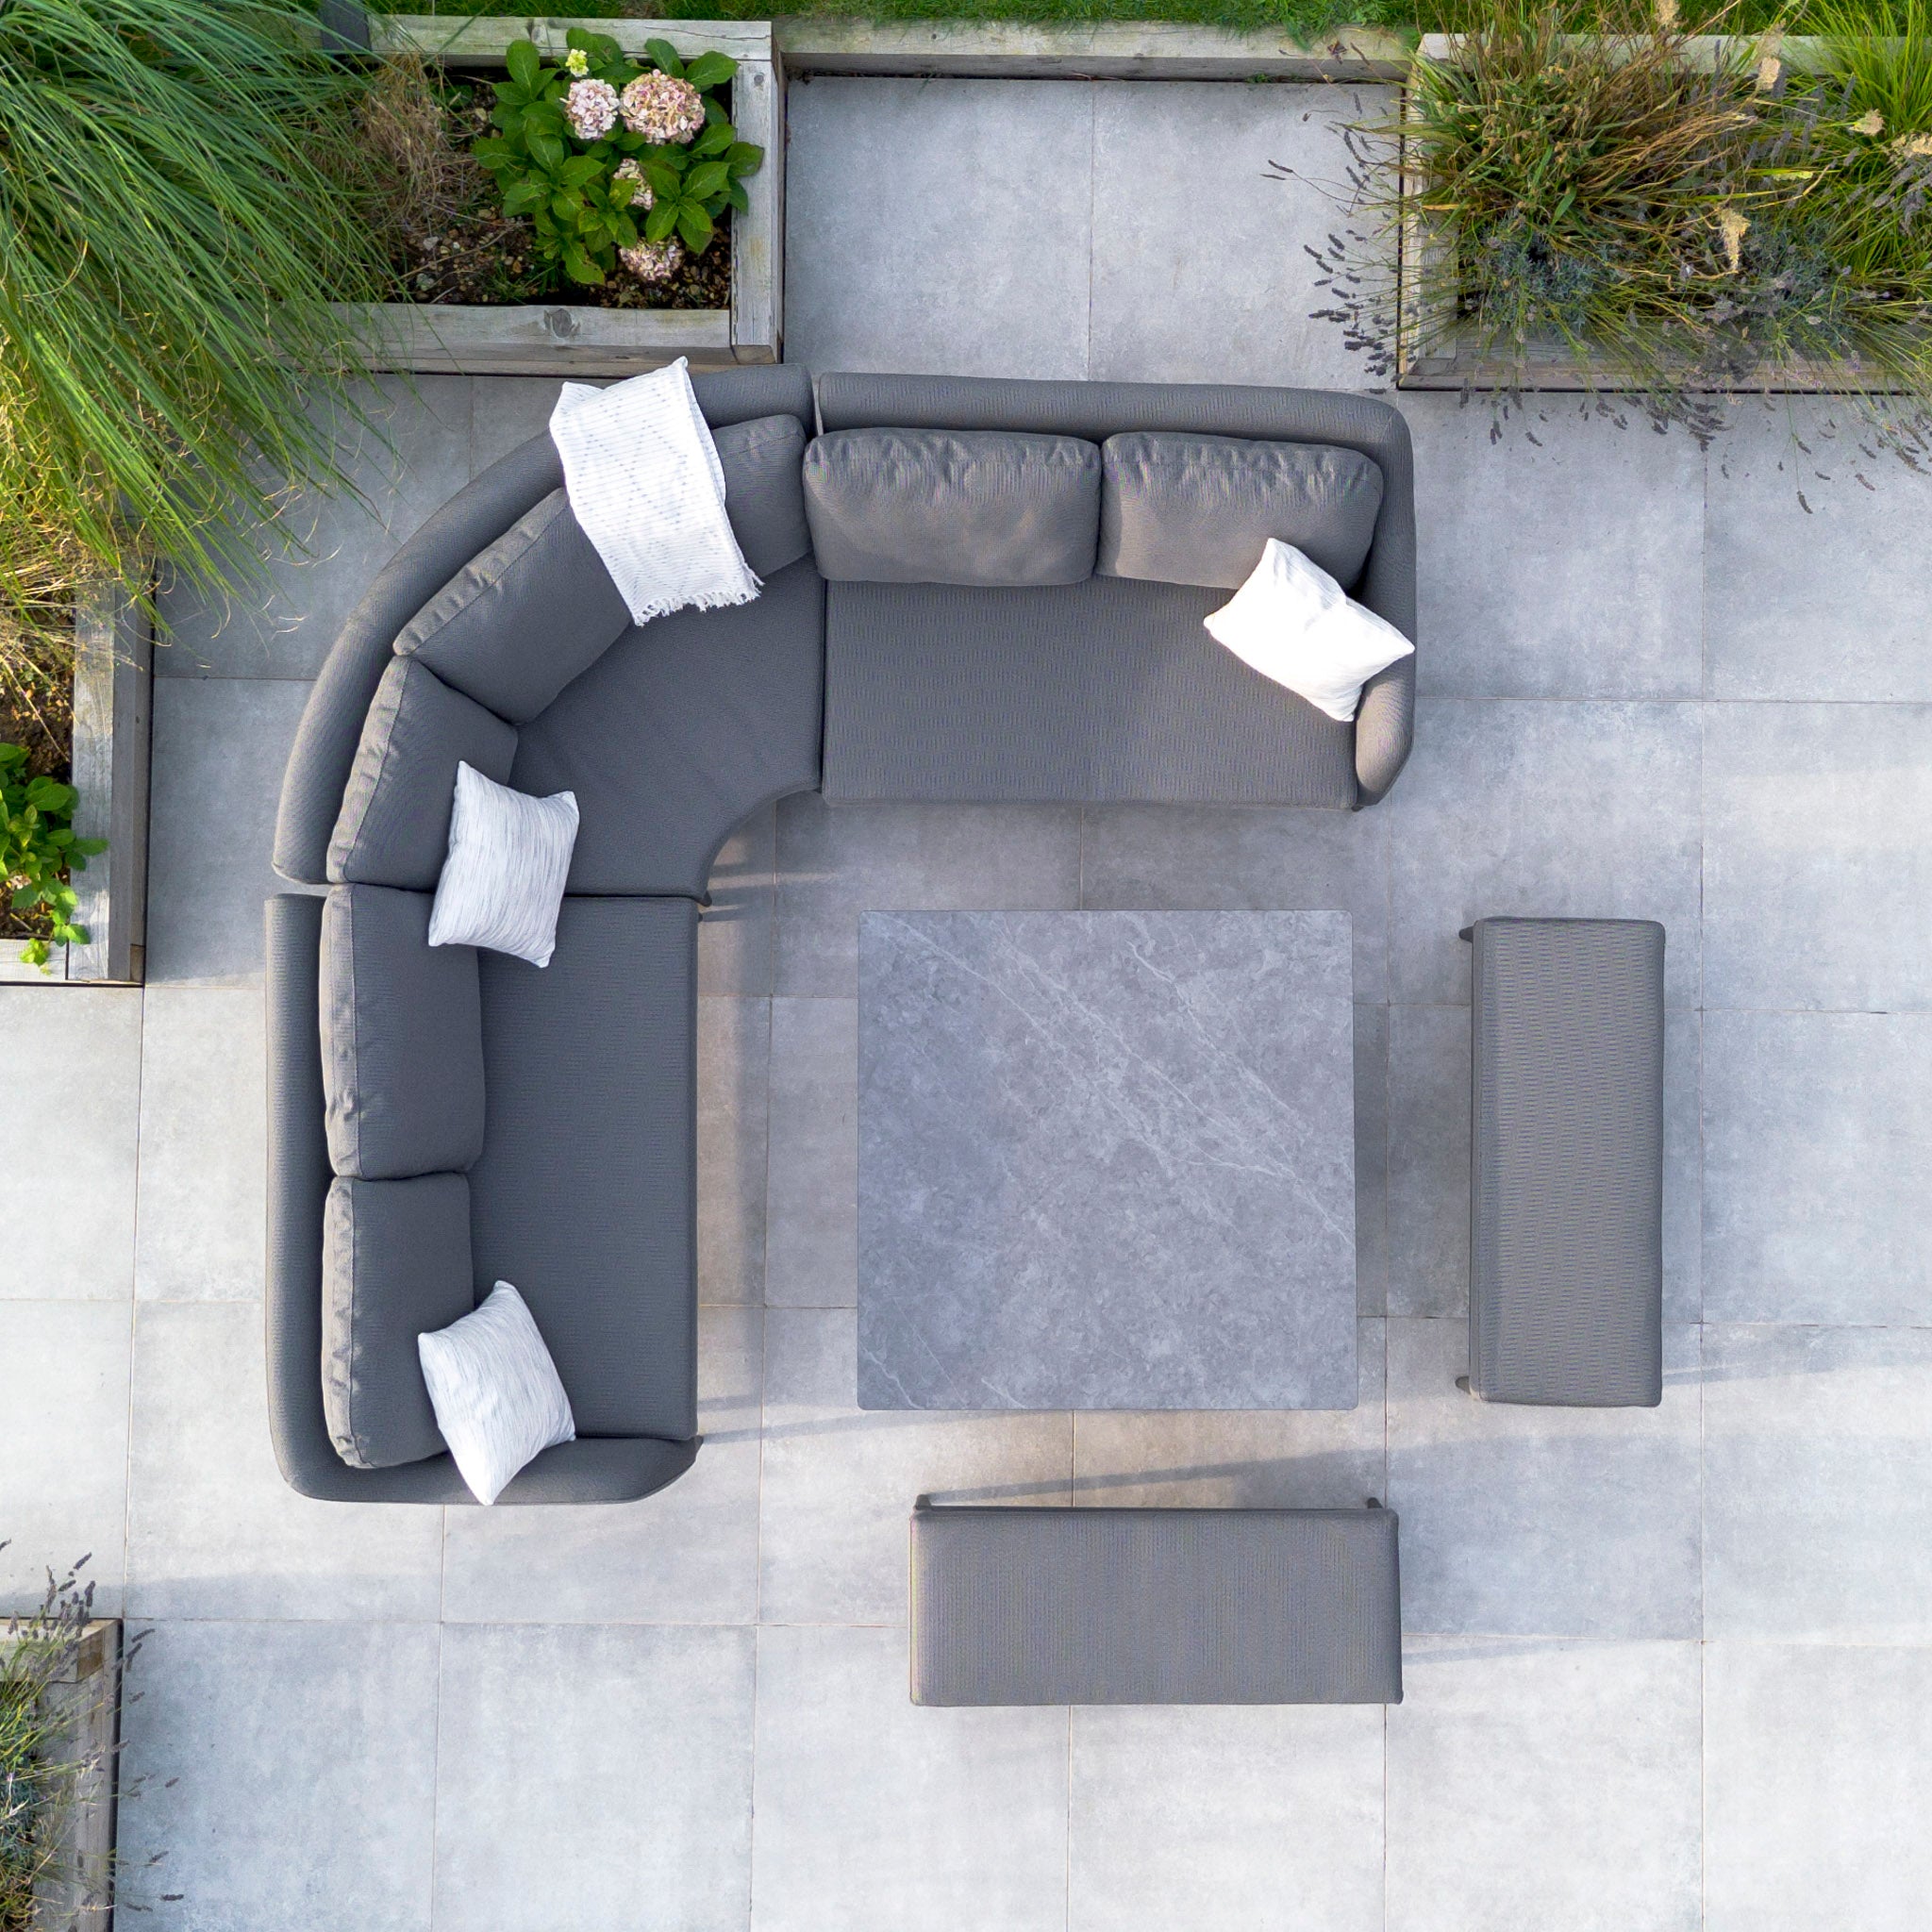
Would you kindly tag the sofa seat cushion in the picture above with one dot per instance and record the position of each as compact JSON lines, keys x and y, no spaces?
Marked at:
{"x":395,"y":1264}
{"x":1108,"y":690}
{"x":585,"y":1196}
{"x":402,"y":1038}
{"x":1198,"y":509}
{"x":394,"y":826}
{"x":982,"y":507}
{"x":522,"y":617}
{"x":680,"y":729}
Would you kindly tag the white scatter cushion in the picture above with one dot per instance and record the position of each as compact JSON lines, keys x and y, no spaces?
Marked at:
{"x":1293,"y":622}
{"x":502,"y":880}
{"x":495,"y":1393}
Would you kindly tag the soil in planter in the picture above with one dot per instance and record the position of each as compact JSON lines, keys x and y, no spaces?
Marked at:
{"x":443,"y":225}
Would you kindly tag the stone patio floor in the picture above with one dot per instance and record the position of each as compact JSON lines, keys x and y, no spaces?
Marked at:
{"x":1665,"y":1668}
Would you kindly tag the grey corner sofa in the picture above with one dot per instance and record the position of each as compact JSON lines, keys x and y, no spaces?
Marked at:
{"x":439,"y":1119}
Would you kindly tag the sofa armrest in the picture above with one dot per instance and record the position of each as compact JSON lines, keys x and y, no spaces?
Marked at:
{"x":1384,"y":729}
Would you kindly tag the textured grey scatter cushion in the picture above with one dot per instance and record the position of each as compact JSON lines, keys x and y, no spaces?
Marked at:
{"x":521,"y":618}
{"x":1197,"y":510}
{"x":402,"y":1038}
{"x":395,"y":1264}
{"x":393,"y":829}
{"x":764,"y":490}
{"x":979,"y":507}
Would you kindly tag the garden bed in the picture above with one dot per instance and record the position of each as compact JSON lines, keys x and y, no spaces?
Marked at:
{"x":494,"y":310}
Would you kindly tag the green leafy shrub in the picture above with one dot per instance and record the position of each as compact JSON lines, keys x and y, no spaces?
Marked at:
{"x":583,"y":149}
{"x":181,"y":204}
{"x":38,"y":852}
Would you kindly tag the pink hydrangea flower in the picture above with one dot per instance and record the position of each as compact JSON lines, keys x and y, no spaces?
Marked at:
{"x":591,"y":107}
{"x":662,"y":109}
{"x":641,"y":199}
{"x":653,"y":262}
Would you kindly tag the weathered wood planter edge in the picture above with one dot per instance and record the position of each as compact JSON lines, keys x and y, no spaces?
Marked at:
{"x":113,"y":686}
{"x":566,"y":339}
{"x":82,"y":1902}
{"x":1428,"y":354}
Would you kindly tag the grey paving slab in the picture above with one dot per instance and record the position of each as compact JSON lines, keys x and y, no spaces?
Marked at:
{"x":688,"y":1554}
{"x":1226,"y":1816}
{"x":1817,"y":1164}
{"x":203,"y":1201}
{"x":975,"y":263}
{"x":290,"y":1776}
{"x":812,"y":1214}
{"x":1166,"y":857}
{"x":1178,"y":298}
{"x":874,"y":1815}
{"x":323,"y":551}
{"x":1542,"y":808}
{"x":505,"y":411}
{"x":734,"y":1092}
{"x":72,"y":1063}
{"x":1370,"y":1160}
{"x":1519,"y":1521}
{"x":63,"y":1447}
{"x":1818,"y":857}
{"x":735,"y":934}
{"x":1539,"y":1784}
{"x":1564,"y":559}
{"x":608,"y":1768}
{"x":838,"y":1484}
{"x":220,"y":747}
{"x":1818,"y":599}
{"x":1818,"y":1484}
{"x":1818,"y":1781}
{"x":1428,"y":1156}
{"x":1236,"y":1459}
{"x":1106,"y":1161}
{"x":212,"y":1529}
{"x":837,"y":862}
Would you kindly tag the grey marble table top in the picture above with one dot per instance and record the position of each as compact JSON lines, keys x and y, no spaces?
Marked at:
{"x":1106,"y":1161}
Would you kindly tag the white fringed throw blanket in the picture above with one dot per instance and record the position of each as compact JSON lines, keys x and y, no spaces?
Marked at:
{"x":645,"y":483}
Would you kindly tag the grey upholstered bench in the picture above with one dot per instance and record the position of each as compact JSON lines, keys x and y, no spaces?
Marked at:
{"x":1566,"y":1161}
{"x":1030,"y":1606}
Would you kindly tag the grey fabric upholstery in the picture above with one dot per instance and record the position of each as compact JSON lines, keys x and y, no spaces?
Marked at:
{"x":325,"y":748}
{"x":1096,"y":410}
{"x":1095,"y":1605}
{"x":682,"y":728}
{"x":402,"y":1038}
{"x":393,"y":829}
{"x":1106,"y":691}
{"x":1199,"y":509}
{"x":606,"y":1470}
{"x":586,"y":1193}
{"x":982,"y":507}
{"x":523,"y":618}
{"x":395,"y":1264}
{"x":764,"y":490}
{"x":1566,"y":1161}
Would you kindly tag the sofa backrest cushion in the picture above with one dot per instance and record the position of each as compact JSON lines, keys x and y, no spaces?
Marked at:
{"x":763,"y":462}
{"x":522,"y":617}
{"x":395,"y":1264}
{"x":1199,"y":509}
{"x":393,"y":827}
{"x":402,"y":1038}
{"x":981,"y":506}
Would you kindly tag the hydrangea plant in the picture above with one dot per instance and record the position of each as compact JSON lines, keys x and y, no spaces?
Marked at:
{"x":613,"y":162}
{"x":38,"y":851}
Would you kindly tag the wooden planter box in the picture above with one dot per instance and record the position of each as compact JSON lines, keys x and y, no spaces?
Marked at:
{"x":561,"y":339}
{"x":1433,"y":353}
{"x":79,"y":1897}
{"x":113,"y":681}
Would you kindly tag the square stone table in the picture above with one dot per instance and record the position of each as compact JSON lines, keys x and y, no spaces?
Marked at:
{"x":1106,"y":1161}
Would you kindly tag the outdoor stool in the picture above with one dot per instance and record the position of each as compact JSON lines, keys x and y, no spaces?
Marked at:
{"x":1566,"y":1161}
{"x":1051,"y":1606}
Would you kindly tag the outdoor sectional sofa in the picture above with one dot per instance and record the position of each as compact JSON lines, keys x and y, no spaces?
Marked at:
{"x":485,"y":1120}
